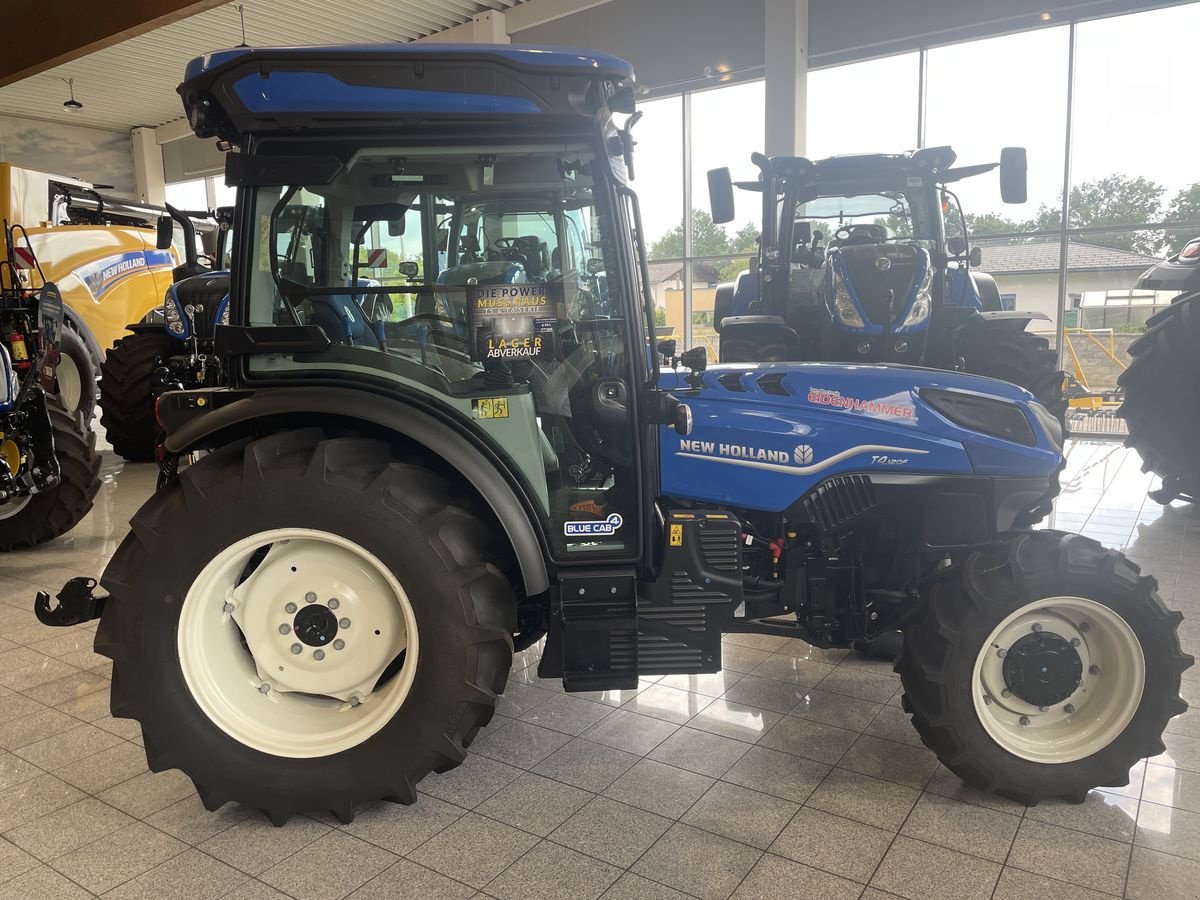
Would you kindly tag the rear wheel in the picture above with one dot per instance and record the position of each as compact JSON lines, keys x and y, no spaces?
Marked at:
{"x":1044,"y":666}
{"x":42,"y":517}
{"x":126,"y":395}
{"x":1162,"y":398}
{"x":304,"y":623}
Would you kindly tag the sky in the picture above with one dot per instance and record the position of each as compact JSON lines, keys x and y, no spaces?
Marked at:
{"x":1134,"y":114}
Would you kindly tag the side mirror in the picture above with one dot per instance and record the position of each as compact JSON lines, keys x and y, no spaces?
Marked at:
{"x":595,"y":265}
{"x":956,"y":245}
{"x":803,"y":232}
{"x":165,"y":233}
{"x":720,"y":195}
{"x":1014,"y":187}
{"x":976,"y":257}
{"x":408,"y":269}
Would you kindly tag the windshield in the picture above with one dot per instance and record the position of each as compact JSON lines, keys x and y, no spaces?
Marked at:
{"x":890,"y":214}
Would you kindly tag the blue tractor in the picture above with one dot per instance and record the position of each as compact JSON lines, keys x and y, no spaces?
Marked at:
{"x":323,"y":609}
{"x":866,"y":258}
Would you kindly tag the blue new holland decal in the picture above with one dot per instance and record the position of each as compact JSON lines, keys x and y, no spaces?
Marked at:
{"x":591,"y":529}
{"x":103,"y":274}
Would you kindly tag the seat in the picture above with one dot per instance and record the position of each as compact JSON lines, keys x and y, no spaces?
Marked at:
{"x":342,"y":321}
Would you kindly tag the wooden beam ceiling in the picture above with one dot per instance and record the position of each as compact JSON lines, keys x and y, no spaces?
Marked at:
{"x":79,"y":29}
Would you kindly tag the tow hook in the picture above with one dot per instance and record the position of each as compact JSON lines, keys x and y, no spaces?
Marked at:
{"x":76,"y":604}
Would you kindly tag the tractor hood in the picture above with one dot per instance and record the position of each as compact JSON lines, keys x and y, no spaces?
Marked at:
{"x":233,"y":93}
{"x":764,"y":435}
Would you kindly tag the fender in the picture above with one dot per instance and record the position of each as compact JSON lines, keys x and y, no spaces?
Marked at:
{"x":1015,"y":317}
{"x":89,"y":340}
{"x":499,"y":488}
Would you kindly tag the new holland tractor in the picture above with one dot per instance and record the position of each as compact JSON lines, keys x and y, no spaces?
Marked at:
{"x":866,"y":258}
{"x":171,"y":348}
{"x":49,"y":467}
{"x":323,"y":609}
{"x":1161,"y":402}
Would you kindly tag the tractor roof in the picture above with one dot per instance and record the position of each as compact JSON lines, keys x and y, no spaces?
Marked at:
{"x":249,"y":90}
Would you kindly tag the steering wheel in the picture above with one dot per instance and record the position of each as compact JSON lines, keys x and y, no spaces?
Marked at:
{"x":506,"y":243}
{"x":842,"y":234}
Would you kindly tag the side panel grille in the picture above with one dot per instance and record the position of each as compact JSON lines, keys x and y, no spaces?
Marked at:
{"x":836,"y":501}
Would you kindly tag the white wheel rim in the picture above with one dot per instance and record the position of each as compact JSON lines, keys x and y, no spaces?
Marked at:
{"x":12,"y":507}
{"x":70,"y":384}
{"x":1113,"y":675}
{"x":324,"y":699}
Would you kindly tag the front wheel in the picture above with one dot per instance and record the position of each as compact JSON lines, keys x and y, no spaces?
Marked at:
{"x":75,"y":377}
{"x":1044,"y":666}
{"x":304,"y":623}
{"x":127,"y":393}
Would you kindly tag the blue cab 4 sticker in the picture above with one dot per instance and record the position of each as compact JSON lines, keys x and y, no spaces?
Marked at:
{"x":593,"y":529}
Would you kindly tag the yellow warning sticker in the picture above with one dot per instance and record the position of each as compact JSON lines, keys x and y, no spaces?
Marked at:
{"x":676,"y":535}
{"x":490,"y":408}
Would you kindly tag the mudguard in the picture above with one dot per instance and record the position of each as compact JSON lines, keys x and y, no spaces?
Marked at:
{"x":483,"y":468}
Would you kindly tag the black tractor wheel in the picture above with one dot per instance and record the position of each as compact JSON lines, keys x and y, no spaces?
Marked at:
{"x":76,"y":377}
{"x":42,"y":517}
{"x":303,"y":622}
{"x":1042,"y":666}
{"x":1162,"y":398}
{"x":126,"y":397}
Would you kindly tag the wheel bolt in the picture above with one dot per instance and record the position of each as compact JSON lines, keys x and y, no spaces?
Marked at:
{"x":310,"y":597}
{"x":333,"y":603}
{"x":1093,"y":670}
{"x":355,"y":700}
{"x":264,"y":688}
{"x":987,"y":701}
{"x":227,"y":608}
{"x":318,"y":655}
{"x":1075,"y":642}
{"x":290,"y":608}
{"x":1024,"y":720}
{"x":1002,"y":653}
{"x":339,"y":644}
{"x":343,"y":623}
{"x":285,"y":628}
{"x":1037,"y":626}
{"x":1041,"y":709}
{"x":1069,"y":709}
{"x":297,"y":649}
{"x":1085,"y":626}
{"x":1006,"y":693}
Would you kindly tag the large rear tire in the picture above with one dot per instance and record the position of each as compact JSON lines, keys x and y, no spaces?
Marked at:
{"x":232,"y":568}
{"x":42,"y":517}
{"x":1043,"y":666}
{"x":126,"y":397}
{"x":1162,"y":397}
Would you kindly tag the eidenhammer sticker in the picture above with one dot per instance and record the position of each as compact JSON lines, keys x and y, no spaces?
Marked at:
{"x":836,"y":399}
{"x":593,"y":529}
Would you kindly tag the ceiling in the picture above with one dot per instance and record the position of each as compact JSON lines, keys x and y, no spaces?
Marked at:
{"x":133,"y":82}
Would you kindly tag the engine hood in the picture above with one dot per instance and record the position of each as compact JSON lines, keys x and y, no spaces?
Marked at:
{"x":765,"y":434}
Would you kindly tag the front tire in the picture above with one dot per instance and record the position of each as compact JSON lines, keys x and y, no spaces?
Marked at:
{"x":76,"y":377}
{"x":126,"y":394}
{"x":307,"y":518}
{"x":1043,"y":666}
{"x":42,"y":517}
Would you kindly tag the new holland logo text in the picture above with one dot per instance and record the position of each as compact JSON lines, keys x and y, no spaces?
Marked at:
{"x":825,"y":397}
{"x":592,"y":529}
{"x":736,"y":451}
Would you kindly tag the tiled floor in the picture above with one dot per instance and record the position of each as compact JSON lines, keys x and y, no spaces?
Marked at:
{"x":793,"y":773}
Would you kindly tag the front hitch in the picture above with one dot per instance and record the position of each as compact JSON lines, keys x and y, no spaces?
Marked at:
{"x":76,"y":604}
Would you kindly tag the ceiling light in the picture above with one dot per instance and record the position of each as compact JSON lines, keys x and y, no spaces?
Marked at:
{"x":1045,"y":17}
{"x":71,"y":105}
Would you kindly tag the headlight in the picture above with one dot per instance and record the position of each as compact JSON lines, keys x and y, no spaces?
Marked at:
{"x":918,"y":313}
{"x":177,"y":323}
{"x":847,"y":310}
{"x":999,"y":418}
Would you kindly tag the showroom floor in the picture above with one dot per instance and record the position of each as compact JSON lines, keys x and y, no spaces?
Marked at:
{"x":793,"y":773}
